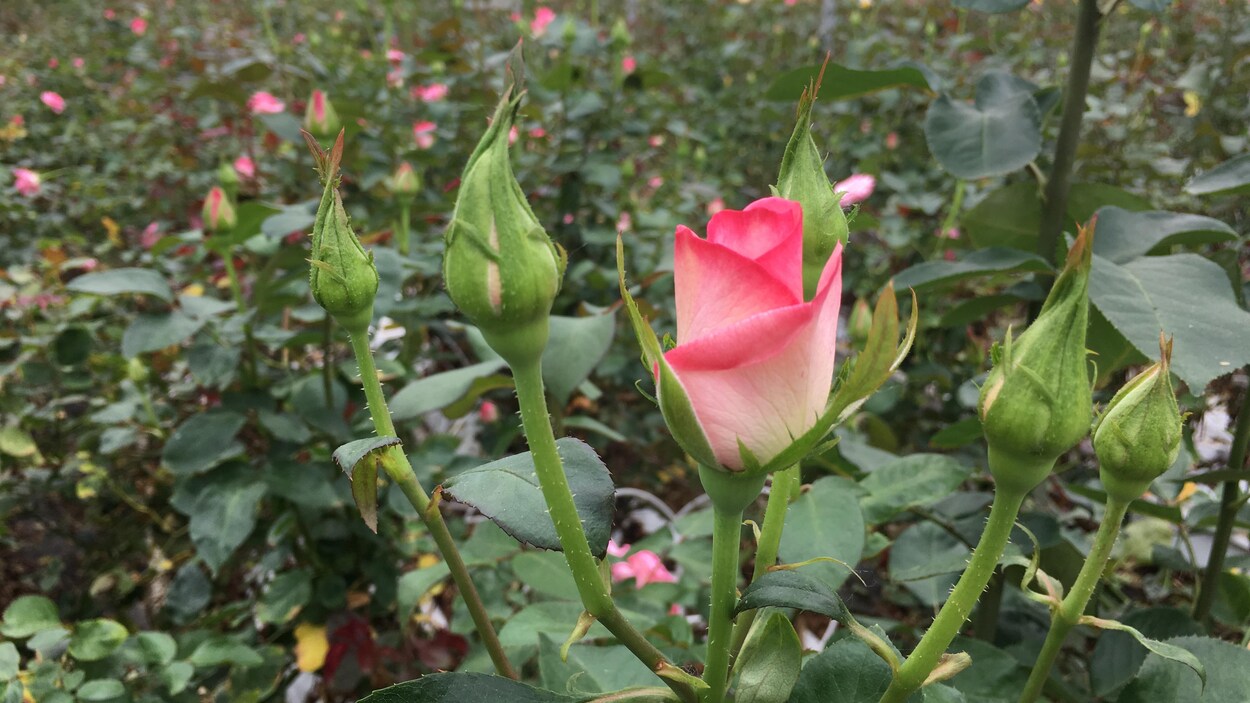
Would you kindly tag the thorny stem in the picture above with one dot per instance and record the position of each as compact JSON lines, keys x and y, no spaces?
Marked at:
{"x":726,"y":540}
{"x":398,"y":468}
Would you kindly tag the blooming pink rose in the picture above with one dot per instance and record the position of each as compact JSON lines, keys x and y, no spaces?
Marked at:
{"x":856,"y":189}
{"x":139,"y":26}
{"x":431,"y":93}
{"x":109,"y":14}
{"x":262,"y":103}
{"x":245,"y":167}
{"x":629,"y":64}
{"x":299,"y":38}
{"x":79,"y":62}
{"x":54,"y":101}
{"x":754,"y":358}
{"x":643,"y":567}
{"x":423,"y":134}
{"x":394,"y":55}
{"x":27,"y":182}
{"x":543,"y":16}
{"x":655,"y":181}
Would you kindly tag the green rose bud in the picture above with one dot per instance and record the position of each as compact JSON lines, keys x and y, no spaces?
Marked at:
{"x":405,"y":181}
{"x":803,"y":179}
{"x":1036,"y":403}
{"x":620,"y":37}
{"x":320,"y":119}
{"x":500,"y":267}
{"x":1139,"y":435}
{"x":343,"y":277}
{"x":137,"y":371}
{"x":218,"y":213}
{"x":228,"y":178}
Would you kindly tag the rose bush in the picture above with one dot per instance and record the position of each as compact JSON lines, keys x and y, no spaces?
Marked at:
{"x":755,"y":359}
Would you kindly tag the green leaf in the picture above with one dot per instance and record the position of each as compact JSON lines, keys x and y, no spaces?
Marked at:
{"x":283,"y":124}
{"x":285,"y":596}
{"x":349,"y":455}
{"x":177,"y":676}
{"x":220,"y":650}
{"x":925,"y":550}
{"x":983,"y":262}
{"x":1184,"y":295}
{"x":546,"y":573}
{"x":96,"y":639}
{"x":221,"y":506}
{"x":995,"y":675}
{"x":1118,"y":657}
{"x":793,"y":589}
{"x":1151,"y":5}
{"x":155,"y":647}
{"x":824,"y":522}
{"x":151,"y":332}
{"x":415,"y":584}
{"x":991,"y":6}
{"x":1163,"y":680}
{"x":769,"y":664}
{"x":841,"y":82}
{"x":203,"y":441}
{"x":124,"y":280}
{"x":1122,"y":236}
{"x":27,"y":615}
{"x":917,"y":479}
{"x":1229,"y":178}
{"x":1008,"y":217}
{"x":846,"y":672}
{"x":351,"y":458}
{"x":507,"y":492}
{"x":10,"y":661}
{"x":1168,"y":651}
{"x":1086,"y":198}
{"x":439,"y":390}
{"x":17,"y":442}
{"x":998,"y":134}
{"x":100,"y":690}
{"x":590,"y":668}
{"x":464,"y":687}
{"x":575,"y":348}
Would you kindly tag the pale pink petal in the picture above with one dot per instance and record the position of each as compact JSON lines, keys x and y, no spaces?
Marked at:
{"x":245,"y":167}
{"x":53,"y":100}
{"x":649,"y":568}
{"x":770,"y":231}
{"x":621,"y":571}
{"x":856,"y":189}
{"x":617,"y":550}
{"x":717,"y":287}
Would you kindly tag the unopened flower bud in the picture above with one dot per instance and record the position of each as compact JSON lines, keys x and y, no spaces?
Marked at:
{"x":137,"y":371}
{"x":1139,"y":435}
{"x":500,"y":267}
{"x":343,"y":277}
{"x":620,"y":37}
{"x":803,"y":178}
{"x":228,"y":177}
{"x":218,"y":213}
{"x":405,"y":181}
{"x":320,"y":119}
{"x":1036,"y":403}
{"x":860,"y":324}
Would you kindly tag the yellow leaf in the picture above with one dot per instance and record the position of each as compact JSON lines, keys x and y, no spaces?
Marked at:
{"x":194,"y":290}
{"x":114,"y":231}
{"x":1193,"y":103}
{"x":311,"y":646}
{"x":1186,"y":491}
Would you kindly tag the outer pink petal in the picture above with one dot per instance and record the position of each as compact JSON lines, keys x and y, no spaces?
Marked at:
{"x":621,"y":571}
{"x":717,"y":287}
{"x":770,"y":231}
{"x":769,"y":397}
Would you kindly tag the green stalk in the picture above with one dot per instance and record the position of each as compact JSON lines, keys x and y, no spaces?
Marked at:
{"x":559,"y":498}
{"x":1230,"y":502}
{"x":928,"y":653}
{"x":1068,"y":614}
{"x":726,"y":540}
{"x":786,"y":485}
{"x":397,"y":467}
{"x":403,"y":243}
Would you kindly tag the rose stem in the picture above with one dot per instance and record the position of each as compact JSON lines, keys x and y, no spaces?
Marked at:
{"x":1066,"y":616}
{"x":396,"y":465}
{"x":559,"y":498}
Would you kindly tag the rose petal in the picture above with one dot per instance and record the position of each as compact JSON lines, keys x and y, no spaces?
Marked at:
{"x":770,"y":231}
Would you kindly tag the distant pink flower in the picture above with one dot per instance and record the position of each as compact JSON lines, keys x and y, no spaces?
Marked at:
{"x":28,"y":182}
{"x":676,"y":609}
{"x":423,"y":134}
{"x":655,"y":182}
{"x":949,"y":233}
{"x":949,"y":255}
{"x":791,"y":3}
{"x":542,"y":17}
{"x":538,"y":133}
{"x":617,"y":550}
{"x":151,"y":235}
{"x":489,"y":412}
{"x":395,"y":78}
{"x":856,"y":189}
{"x":109,"y":14}
{"x":339,"y":15}
{"x":139,"y":26}
{"x":643,"y":567}
{"x":79,"y":62}
{"x":656,"y":141}
{"x":431,"y":93}
{"x":54,"y":62}
{"x":624,"y":223}
{"x":629,"y":64}
{"x":3,"y":79}
{"x":262,"y":103}
{"x":715,"y":206}
{"x":568,"y":218}
{"x":513,"y":134}
{"x":394,"y":56}
{"x":891,"y":141}
{"x":89,"y":264}
{"x":54,"y":101}
{"x":245,"y":167}
{"x":299,"y":38}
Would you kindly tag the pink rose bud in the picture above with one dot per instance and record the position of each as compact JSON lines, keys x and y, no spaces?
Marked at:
{"x":655,"y":182}
{"x":262,"y":103}
{"x":629,"y":64}
{"x":54,"y":101}
{"x":891,"y":141}
{"x":299,"y":38}
{"x":405,"y":181}
{"x":537,"y":133}
{"x":656,"y":141}
{"x":432,"y":93}
{"x":394,"y":56}
{"x":245,"y":167}
{"x":79,"y":62}
{"x":746,"y":339}
{"x":218,"y":213}
{"x":624,"y":223}
{"x":542,"y":17}
{"x":423,"y":134}
{"x":715,"y":206}
{"x":855,"y":189}
{"x":54,"y":62}
{"x":27,"y":182}
{"x":139,"y":26}
{"x":109,"y":14}
{"x":489,"y":412}
{"x":320,"y":119}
